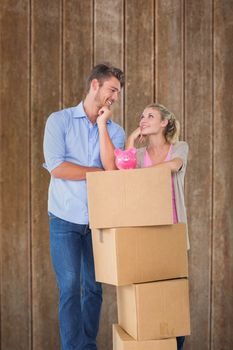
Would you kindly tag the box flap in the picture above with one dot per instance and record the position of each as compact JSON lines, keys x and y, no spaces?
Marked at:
{"x":104,"y":241}
{"x":127,"y":309}
{"x":123,"y":341}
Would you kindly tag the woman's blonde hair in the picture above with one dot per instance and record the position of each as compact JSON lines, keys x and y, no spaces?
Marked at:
{"x":172,"y":130}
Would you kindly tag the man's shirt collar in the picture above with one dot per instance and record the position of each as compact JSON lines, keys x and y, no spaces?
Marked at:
{"x":79,"y":111}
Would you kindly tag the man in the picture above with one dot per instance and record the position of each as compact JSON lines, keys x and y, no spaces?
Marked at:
{"x":79,"y":140}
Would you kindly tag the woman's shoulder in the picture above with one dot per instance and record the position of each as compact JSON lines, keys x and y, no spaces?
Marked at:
{"x":180,"y":149}
{"x":180,"y":145}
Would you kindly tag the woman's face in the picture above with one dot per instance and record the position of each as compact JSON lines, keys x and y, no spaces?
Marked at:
{"x":151,"y":122}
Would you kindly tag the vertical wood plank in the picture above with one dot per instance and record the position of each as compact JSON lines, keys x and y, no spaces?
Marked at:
{"x":169,"y":56}
{"x":15,"y":224}
{"x":108,"y":31}
{"x":139,"y":59}
{"x":109,"y":42}
{"x":198,"y":131}
{"x":222,"y":306}
{"x":109,"y":46}
{"x":77,"y":49}
{"x":46,"y":93}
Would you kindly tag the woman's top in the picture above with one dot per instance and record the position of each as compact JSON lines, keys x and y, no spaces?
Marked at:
{"x":179,"y":150}
{"x":147,"y":162}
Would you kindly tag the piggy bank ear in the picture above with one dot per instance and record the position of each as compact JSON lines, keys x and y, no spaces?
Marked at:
{"x":132,"y":150}
{"x":117,"y":152}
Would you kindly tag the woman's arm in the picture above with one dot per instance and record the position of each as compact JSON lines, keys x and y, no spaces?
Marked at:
{"x":174,"y":165}
{"x":136,"y":135}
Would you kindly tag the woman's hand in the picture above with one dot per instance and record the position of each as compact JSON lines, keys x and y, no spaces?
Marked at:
{"x":137,"y":135}
{"x":133,"y":137}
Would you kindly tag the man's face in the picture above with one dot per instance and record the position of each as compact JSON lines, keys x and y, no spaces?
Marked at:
{"x":107,"y":93}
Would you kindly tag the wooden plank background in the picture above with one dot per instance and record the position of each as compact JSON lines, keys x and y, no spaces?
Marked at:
{"x":198,"y":132}
{"x":178,"y":52}
{"x":16,"y":307}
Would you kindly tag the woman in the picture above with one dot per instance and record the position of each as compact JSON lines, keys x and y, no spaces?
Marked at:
{"x":161,"y":129}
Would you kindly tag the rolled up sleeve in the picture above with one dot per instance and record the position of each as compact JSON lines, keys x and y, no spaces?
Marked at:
{"x":181,"y":151}
{"x":54,"y":142}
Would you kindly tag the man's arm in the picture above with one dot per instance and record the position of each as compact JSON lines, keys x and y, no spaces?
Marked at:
{"x":54,"y":152}
{"x":71,"y":171}
{"x":106,"y":146}
{"x":106,"y":149}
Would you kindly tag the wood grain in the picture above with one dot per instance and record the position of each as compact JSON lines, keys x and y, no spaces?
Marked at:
{"x":169,"y":30}
{"x":46,"y":98}
{"x":77,"y":49}
{"x":222,"y":305}
{"x":139,"y":59}
{"x":109,"y":42}
{"x":15,"y":176}
{"x":198,"y":132}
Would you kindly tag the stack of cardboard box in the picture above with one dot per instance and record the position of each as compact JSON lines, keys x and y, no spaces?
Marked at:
{"x":138,"y":249}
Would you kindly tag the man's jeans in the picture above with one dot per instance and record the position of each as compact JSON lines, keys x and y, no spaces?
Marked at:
{"x":80,"y":297}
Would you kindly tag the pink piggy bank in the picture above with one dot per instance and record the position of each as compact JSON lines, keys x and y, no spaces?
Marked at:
{"x":125,"y":159}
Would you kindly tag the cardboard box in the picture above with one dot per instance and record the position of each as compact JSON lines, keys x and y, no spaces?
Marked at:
{"x":140,"y":254}
{"x":122,"y":341}
{"x":138,"y":197}
{"x":154,"y":310}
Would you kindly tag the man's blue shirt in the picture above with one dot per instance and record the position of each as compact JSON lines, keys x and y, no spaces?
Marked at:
{"x":71,"y":137}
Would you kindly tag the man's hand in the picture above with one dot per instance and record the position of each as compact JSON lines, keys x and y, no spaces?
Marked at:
{"x":103,"y":115}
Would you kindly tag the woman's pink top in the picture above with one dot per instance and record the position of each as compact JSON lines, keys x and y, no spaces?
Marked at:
{"x":147,"y":162}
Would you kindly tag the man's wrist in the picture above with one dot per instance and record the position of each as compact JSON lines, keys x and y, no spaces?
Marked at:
{"x":102,"y":125}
